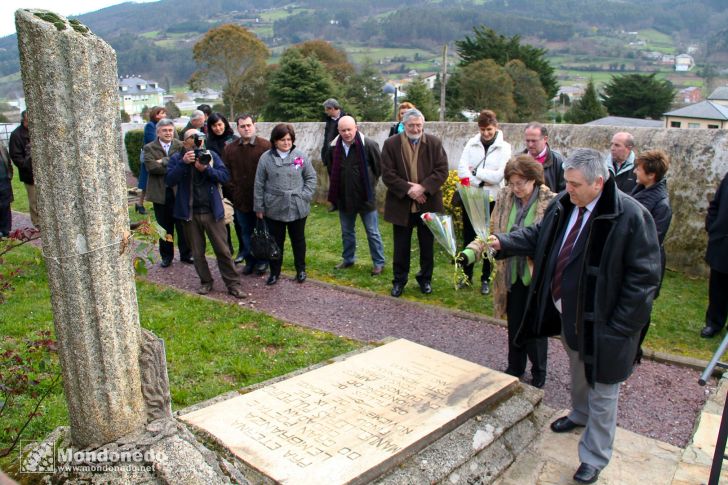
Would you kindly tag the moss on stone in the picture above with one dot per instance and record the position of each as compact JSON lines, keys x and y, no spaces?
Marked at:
{"x":52,"y":18}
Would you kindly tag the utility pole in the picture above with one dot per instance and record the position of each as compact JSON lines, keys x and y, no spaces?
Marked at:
{"x":443,"y":82}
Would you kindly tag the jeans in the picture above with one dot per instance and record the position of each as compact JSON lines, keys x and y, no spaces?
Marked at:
{"x":348,"y":236}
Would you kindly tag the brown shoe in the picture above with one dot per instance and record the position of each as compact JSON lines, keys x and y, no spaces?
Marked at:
{"x":343,"y":265}
{"x":237,"y":292}
{"x":377,"y":270}
{"x":204,"y":289}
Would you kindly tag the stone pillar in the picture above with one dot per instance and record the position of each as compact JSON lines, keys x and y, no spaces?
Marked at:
{"x":71,"y":90}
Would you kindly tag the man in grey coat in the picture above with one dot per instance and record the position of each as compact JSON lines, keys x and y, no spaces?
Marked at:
{"x":156,"y":156}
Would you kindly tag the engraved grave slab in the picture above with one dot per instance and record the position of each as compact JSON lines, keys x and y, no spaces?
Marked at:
{"x":350,"y":421}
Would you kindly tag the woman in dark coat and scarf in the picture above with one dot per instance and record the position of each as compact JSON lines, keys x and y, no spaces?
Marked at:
{"x":219,"y":134}
{"x":651,"y":191}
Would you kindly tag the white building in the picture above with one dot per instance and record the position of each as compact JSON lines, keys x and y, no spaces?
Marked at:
{"x":135,"y":93}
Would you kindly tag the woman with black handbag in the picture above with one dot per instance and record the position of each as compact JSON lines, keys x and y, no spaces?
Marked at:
{"x":285,"y":182}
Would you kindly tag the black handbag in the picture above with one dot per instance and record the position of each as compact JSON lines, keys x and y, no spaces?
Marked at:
{"x":262,"y":244}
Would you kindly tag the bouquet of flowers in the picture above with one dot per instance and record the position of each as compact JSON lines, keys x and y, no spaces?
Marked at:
{"x":441,"y":227}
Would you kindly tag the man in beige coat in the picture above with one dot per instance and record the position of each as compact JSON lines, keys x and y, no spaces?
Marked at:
{"x":414,"y":167}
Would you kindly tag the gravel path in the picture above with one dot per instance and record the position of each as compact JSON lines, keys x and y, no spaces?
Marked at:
{"x":659,"y":400}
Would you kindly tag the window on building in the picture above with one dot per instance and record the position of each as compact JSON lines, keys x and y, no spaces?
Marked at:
{"x":693,"y":125}
{"x":713,"y":127}
{"x":675,"y":124}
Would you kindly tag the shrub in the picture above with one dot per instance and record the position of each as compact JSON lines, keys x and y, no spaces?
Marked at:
{"x":456,"y":211}
{"x":134,"y":141}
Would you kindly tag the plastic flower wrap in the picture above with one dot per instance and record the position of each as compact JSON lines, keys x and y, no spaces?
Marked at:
{"x":477,"y":204}
{"x":441,"y":227}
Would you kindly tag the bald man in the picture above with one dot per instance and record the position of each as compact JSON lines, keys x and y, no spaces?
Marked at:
{"x":621,"y":161}
{"x":355,"y":163}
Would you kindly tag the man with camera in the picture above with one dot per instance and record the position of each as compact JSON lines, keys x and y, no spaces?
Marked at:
{"x":197,"y":174}
{"x":156,"y":155}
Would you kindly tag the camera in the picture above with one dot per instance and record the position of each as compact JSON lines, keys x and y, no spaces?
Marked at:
{"x":202,"y":156}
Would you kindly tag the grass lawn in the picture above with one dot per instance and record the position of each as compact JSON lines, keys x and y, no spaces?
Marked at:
{"x":212,"y":347}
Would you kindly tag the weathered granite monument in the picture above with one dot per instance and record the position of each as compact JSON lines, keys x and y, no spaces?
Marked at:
{"x":69,"y":78}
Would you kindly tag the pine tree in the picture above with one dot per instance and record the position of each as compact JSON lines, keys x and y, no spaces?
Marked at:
{"x":530,"y":98}
{"x":587,"y":109}
{"x":421,"y":96}
{"x":365,"y":96}
{"x":297,"y":88}
{"x":638,"y":96}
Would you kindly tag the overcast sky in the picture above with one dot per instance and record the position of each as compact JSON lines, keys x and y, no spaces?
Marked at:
{"x":63,"y":7}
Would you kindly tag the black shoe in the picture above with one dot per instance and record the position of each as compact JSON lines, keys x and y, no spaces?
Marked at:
{"x":239,"y":259}
{"x":426,"y":287}
{"x":248,"y":269}
{"x":538,"y":381}
{"x":562,"y":425}
{"x":140,"y":209}
{"x":709,"y":331}
{"x":513,"y":373}
{"x":301,"y":276}
{"x":187,"y":260}
{"x":237,"y":292}
{"x":165,"y":262}
{"x":343,"y":265}
{"x":484,"y":288}
{"x":272,"y":280}
{"x":586,"y":473}
{"x":397,"y":289}
{"x":261,"y":268}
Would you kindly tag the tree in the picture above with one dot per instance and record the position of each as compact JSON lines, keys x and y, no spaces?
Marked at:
{"x":365,"y":95}
{"x":638,"y":96}
{"x":486,"y":85}
{"x":586,"y":109}
{"x":226,"y":54}
{"x":332,"y":58}
{"x":253,"y":89}
{"x":125,"y":118}
{"x":528,"y":94}
{"x":420,"y":95}
{"x":297,"y":88}
{"x":172,"y":110}
{"x":488,"y":44}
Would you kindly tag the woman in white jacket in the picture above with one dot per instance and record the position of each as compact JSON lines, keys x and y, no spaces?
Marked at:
{"x":483,"y":161}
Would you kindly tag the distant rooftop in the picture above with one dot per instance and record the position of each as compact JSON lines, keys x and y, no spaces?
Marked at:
{"x":622,"y":121}
{"x":137,"y":85}
{"x":720,"y":93}
{"x":703,"y":110}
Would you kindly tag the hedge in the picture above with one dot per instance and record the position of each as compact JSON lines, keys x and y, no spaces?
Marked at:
{"x":133,"y":141}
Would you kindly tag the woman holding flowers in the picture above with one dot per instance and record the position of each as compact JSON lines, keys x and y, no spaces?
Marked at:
{"x":520,"y":203}
{"x":285,"y":182}
{"x":481,"y":165}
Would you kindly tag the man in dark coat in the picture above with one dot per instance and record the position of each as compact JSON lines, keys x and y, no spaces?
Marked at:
{"x":537,"y":137}
{"x":6,"y":192}
{"x":19,"y":148}
{"x":716,"y":223}
{"x":355,"y":163}
{"x":156,"y":156}
{"x":241,"y":158}
{"x":621,"y":161}
{"x":334,"y":112}
{"x":414,"y":167}
{"x":597,"y":267}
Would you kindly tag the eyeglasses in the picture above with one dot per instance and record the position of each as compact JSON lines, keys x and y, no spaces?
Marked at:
{"x":520,"y":184}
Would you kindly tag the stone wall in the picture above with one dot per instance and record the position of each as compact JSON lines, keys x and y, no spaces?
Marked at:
{"x":699,"y":161}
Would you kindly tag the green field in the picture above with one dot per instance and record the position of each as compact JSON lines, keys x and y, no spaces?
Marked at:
{"x":657,"y":41}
